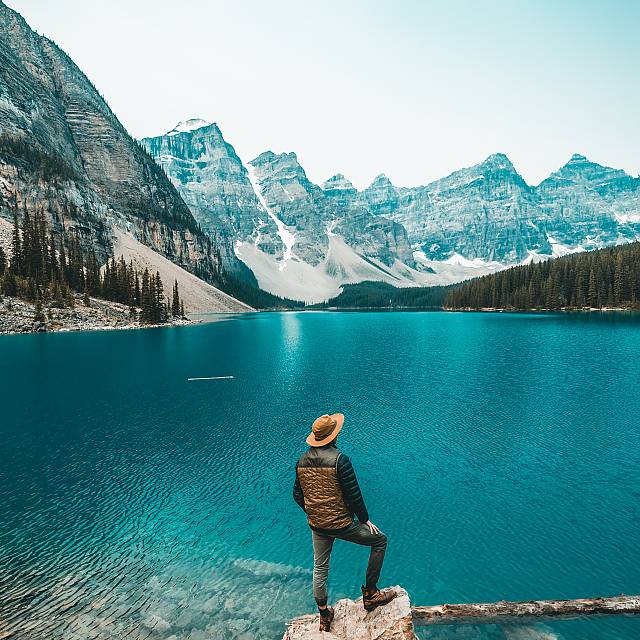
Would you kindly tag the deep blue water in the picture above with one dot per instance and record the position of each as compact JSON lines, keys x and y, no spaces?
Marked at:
{"x":500,"y":453}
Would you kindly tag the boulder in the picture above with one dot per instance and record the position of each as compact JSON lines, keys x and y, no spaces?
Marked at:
{"x":352,"y":622}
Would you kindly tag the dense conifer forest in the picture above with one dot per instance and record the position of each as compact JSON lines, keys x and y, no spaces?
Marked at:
{"x":380,"y":295}
{"x":252,"y":295}
{"x":606,"y":278}
{"x":49,"y":270}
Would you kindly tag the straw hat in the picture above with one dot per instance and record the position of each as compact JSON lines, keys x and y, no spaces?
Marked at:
{"x":325,"y":429}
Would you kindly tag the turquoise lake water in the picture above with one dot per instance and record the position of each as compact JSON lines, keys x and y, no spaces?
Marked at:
{"x":500,"y":453}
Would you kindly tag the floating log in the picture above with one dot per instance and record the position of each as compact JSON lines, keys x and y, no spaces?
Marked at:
{"x":499,"y":612}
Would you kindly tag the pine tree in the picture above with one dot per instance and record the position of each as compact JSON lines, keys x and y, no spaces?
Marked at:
{"x":57,"y":298}
{"x":62,"y":262}
{"x":618,"y":281}
{"x":3,"y":262}
{"x":136,"y":290}
{"x":159,"y":312}
{"x":580,"y":299}
{"x":52,"y":263}
{"x":175,"y":304}
{"x":592,"y":294}
{"x":146,"y":298}
{"x":39,"y":313}
{"x":9,"y":283}
{"x":16,"y":247}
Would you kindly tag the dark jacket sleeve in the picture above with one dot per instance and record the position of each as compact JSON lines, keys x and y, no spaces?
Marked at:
{"x":350,"y":488}
{"x":297,"y":492}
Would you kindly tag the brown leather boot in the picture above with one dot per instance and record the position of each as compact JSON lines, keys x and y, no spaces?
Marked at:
{"x":373,"y":598}
{"x":326,"y":619}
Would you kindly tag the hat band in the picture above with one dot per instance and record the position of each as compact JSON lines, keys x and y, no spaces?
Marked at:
{"x":326,"y":435}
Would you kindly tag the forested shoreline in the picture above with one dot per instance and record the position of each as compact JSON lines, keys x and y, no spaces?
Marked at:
{"x":380,"y":295}
{"x":53,"y":271}
{"x":602,"y":279}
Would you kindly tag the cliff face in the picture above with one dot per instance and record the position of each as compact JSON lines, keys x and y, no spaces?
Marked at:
{"x":588,"y":205}
{"x":300,"y":240}
{"x":489,"y":212}
{"x":360,"y":225}
{"x":63,"y":151}
{"x":483,"y":212}
{"x":293,"y":199}
{"x":215,"y":184}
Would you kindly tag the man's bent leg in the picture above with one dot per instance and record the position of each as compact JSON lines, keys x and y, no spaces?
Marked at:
{"x":361,"y":534}
{"x":322,"y":546}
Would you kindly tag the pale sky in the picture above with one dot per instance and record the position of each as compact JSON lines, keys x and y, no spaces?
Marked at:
{"x":414,"y":89}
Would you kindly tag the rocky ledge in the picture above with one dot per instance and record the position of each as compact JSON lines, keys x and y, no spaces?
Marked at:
{"x":352,"y":622}
{"x":17,"y":316}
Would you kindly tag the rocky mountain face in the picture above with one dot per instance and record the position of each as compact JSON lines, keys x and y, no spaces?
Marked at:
{"x":63,"y":151}
{"x":315,"y":214}
{"x":362,"y":227}
{"x":299,"y":239}
{"x":294,"y":200}
{"x":488,"y":212}
{"x":586,"y":205}
{"x":215,"y":184}
{"x":480,"y":212}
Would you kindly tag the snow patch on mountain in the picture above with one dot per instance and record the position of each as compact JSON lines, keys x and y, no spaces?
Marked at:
{"x":286,"y":236}
{"x":476,"y":263}
{"x":559,"y":249}
{"x":185,"y":126}
{"x":342,"y":265}
{"x":626,"y":218}
{"x":443,"y":272}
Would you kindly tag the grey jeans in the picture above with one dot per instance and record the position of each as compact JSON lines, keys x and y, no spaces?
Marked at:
{"x":323,"y":544}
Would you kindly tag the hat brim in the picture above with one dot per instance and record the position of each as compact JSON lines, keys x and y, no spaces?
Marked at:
{"x":311,"y":438}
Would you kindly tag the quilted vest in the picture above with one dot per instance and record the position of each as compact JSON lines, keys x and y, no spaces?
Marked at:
{"x":324,"y":504}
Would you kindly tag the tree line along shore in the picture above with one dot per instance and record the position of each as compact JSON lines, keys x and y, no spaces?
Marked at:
{"x":604,"y":279}
{"x":63,"y":286}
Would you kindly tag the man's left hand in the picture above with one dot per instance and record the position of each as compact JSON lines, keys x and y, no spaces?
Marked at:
{"x":372,"y":527}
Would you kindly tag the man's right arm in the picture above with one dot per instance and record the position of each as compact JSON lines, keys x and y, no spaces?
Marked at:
{"x":298,"y":496}
{"x":351,"y":489}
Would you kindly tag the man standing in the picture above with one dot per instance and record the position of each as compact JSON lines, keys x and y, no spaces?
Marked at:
{"x":327,"y":490}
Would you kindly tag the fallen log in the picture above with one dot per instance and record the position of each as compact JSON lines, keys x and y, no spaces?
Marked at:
{"x":498,"y":612}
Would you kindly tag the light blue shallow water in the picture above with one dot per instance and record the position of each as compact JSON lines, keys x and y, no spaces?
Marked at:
{"x":500,"y":453}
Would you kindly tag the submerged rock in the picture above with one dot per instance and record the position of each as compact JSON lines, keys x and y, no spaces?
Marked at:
{"x":352,"y":622}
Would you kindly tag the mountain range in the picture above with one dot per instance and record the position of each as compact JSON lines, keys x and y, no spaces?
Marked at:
{"x":305,"y":241}
{"x":186,"y":199}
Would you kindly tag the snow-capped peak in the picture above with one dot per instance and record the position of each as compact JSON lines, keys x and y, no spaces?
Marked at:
{"x":577,"y":157}
{"x":186,"y":126}
{"x":498,"y":161}
{"x":338,"y":183}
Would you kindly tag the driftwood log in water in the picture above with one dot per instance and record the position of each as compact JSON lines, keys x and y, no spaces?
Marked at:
{"x":497,"y":612}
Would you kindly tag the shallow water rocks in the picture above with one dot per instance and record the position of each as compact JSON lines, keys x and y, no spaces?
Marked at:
{"x":352,"y":622}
